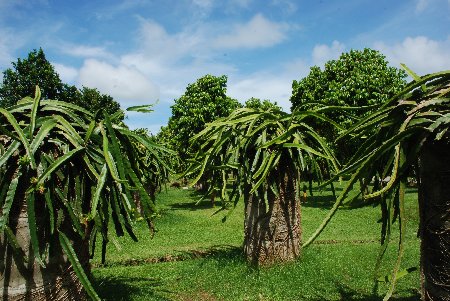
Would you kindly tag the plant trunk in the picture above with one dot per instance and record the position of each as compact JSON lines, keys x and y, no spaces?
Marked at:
{"x":27,"y":280}
{"x":434,"y":201}
{"x":274,"y":234}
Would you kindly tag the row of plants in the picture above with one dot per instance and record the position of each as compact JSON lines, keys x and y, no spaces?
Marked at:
{"x":68,"y":174}
{"x":263,"y":155}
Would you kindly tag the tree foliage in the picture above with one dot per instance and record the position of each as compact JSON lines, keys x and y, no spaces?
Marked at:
{"x":28,"y":73}
{"x":360,"y":79}
{"x":21,"y":80}
{"x":203,"y":101}
{"x":256,"y":103}
{"x":92,"y":100}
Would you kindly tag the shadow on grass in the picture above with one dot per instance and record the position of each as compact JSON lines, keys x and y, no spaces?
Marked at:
{"x":118,"y":288}
{"x":349,"y":294}
{"x":196,"y":205}
{"x":319,"y":201}
{"x":193,"y":206}
{"x":352,"y":295}
{"x":219,"y":253}
{"x":216,"y":252}
{"x":326,"y":200}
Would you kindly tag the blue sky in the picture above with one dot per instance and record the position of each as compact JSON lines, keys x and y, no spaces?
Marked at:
{"x":141,"y":52}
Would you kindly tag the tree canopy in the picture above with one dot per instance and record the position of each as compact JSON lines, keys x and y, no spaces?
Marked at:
{"x":359,"y":78}
{"x":256,"y":103}
{"x":36,"y":70}
{"x":93,"y":100}
{"x":26,"y":74}
{"x":203,"y":101}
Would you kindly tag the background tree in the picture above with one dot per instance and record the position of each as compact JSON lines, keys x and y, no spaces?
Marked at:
{"x":262,"y":153}
{"x":21,"y":80}
{"x":256,"y":103}
{"x":358,"y":78}
{"x":92,"y":100}
{"x":203,"y":101}
{"x":411,"y":129}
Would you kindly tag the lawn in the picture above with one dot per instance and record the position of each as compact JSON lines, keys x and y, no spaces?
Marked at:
{"x":194,"y":256}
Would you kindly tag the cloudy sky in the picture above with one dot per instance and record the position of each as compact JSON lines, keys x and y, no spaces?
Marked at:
{"x":143,"y":52}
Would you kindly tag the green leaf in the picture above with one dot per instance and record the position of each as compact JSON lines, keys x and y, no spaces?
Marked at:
{"x":44,"y":130}
{"x":20,"y":134}
{"x":9,"y":152}
{"x":306,"y":148}
{"x":50,"y":210}
{"x":9,"y":200}
{"x":141,"y":109}
{"x":89,"y":131}
{"x":108,"y":157}
{"x":414,"y":76}
{"x":56,"y":164}
{"x":37,"y":98}
{"x":388,"y":277}
{"x":32,"y":226}
{"x":12,"y":241}
{"x":72,"y":134}
{"x":57,"y":105}
{"x":77,"y":267}
{"x":268,"y":168}
{"x":75,"y":220}
{"x":98,"y":191}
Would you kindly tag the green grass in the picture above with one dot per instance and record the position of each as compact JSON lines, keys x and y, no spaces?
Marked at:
{"x":194,"y":256}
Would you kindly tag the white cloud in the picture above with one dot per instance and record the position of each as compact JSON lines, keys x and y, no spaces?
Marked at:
{"x":243,"y":3}
{"x":287,"y":6}
{"x":156,"y":43}
{"x":323,"y":53}
{"x":421,"y":54}
{"x":258,"y":32}
{"x":174,"y":60}
{"x":110,"y":11}
{"x":9,"y":42}
{"x":173,"y":77}
{"x":264,"y":85}
{"x":66,"y":73}
{"x":297,"y":68}
{"x":125,"y":84}
{"x":422,"y":5}
{"x":86,"y":51}
{"x":206,"y":4}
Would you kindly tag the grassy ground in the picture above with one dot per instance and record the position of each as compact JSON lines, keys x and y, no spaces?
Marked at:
{"x":194,"y":256}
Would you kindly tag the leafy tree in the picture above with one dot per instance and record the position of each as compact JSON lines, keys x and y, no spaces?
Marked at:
{"x":67,"y":178}
{"x":411,"y":129}
{"x":360,"y":79}
{"x":35,"y":70}
{"x":262,"y":154}
{"x":203,"y":101}
{"x":92,"y":100}
{"x":26,"y":74}
{"x":256,"y":103}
